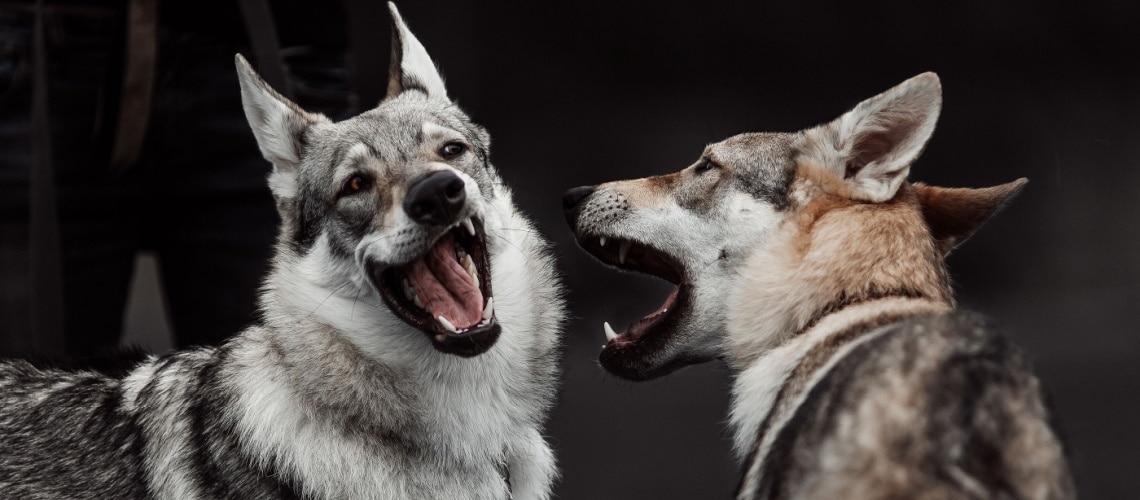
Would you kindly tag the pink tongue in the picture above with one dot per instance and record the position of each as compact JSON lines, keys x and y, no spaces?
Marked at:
{"x":444,"y":286}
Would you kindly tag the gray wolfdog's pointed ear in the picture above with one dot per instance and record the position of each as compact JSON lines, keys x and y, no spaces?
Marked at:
{"x":872,"y":146}
{"x":279,"y":126}
{"x":410,"y":66}
{"x":953,"y":214}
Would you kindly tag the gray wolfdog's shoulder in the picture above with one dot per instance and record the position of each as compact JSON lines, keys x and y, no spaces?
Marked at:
{"x":87,"y":434}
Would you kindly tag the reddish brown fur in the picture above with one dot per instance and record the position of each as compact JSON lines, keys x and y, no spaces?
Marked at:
{"x":887,"y":245}
{"x":953,"y":214}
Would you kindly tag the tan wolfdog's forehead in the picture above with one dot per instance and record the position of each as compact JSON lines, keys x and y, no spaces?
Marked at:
{"x":759,"y":164}
{"x":756,"y":150}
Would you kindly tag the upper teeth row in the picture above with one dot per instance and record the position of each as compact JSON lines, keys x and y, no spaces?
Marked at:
{"x":623,"y":250}
{"x":488,"y":313}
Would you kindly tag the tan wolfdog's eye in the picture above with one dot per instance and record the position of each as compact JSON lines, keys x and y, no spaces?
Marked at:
{"x":705,"y":165}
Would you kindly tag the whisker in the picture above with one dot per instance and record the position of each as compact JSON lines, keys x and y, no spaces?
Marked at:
{"x":352,"y":312}
{"x":335,"y":290}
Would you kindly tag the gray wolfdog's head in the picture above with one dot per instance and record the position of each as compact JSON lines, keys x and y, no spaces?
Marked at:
{"x":698,"y":227}
{"x":393,"y":202}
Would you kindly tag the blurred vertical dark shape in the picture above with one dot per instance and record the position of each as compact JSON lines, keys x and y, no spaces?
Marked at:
{"x":368,"y":36}
{"x":261,"y":30}
{"x":46,"y":333}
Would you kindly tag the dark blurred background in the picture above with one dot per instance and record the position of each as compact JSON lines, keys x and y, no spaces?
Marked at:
{"x":583,"y":92}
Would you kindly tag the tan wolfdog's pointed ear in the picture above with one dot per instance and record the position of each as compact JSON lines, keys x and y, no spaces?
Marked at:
{"x":872,"y":146}
{"x":953,"y":214}
{"x":410,"y":66}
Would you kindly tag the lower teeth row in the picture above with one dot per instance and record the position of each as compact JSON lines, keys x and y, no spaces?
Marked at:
{"x":488,"y":314}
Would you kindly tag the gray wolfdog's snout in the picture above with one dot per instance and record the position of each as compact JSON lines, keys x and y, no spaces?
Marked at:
{"x":436,"y":199}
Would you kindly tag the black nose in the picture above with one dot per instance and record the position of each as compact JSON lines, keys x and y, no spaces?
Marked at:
{"x":436,"y":198}
{"x":572,"y":202}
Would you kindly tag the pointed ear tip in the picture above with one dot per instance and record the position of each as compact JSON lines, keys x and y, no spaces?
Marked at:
{"x":928,"y":75}
{"x":928,"y":81}
{"x":395,"y":13}
{"x":1016,"y":186}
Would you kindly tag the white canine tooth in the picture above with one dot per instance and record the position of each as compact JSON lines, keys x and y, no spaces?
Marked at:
{"x":624,"y":251}
{"x":489,"y":309}
{"x":469,"y":265}
{"x":602,"y":241}
{"x":610,"y":333}
{"x":447,"y":324}
{"x":416,"y":299}
{"x":469,"y":226}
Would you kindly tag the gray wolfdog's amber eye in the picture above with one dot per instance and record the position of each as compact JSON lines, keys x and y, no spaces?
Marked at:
{"x":356,"y":184}
{"x":452,"y":150}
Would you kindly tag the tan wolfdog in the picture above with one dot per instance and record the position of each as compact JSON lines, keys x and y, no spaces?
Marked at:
{"x":810,"y":264}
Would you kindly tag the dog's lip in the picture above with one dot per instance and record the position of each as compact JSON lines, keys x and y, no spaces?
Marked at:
{"x":636,"y":354}
{"x":638,"y":329}
{"x":468,"y":342}
{"x":632,"y":255}
{"x":633,"y":353}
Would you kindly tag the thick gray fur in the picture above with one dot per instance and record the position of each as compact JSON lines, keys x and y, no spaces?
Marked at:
{"x":959,"y":415}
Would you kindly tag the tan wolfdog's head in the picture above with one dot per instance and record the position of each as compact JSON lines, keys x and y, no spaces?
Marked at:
{"x":765,"y":229}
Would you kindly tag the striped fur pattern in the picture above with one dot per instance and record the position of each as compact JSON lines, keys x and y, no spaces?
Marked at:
{"x":816,"y":270}
{"x":343,"y":389}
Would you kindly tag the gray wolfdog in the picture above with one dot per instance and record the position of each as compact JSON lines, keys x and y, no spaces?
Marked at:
{"x":810,"y":263}
{"x":383,"y":365}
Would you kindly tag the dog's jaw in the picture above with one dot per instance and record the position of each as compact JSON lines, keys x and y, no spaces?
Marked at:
{"x":646,"y":349}
{"x":455,"y":269}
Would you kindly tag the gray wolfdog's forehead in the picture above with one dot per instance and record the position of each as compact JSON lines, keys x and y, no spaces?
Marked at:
{"x":402,"y":134}
{"x":763,"y":164}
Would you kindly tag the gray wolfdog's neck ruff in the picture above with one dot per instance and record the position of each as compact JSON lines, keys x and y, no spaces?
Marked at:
{"x":356,"y":368}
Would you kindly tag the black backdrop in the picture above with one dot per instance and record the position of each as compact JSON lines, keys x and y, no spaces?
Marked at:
{"x":583,"y":92}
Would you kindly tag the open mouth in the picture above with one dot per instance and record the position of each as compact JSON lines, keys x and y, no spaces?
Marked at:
{"x":446,"y":291}
{"x":628,"y":353}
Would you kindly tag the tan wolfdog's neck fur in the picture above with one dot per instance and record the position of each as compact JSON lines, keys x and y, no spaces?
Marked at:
{"x":832,"y":251}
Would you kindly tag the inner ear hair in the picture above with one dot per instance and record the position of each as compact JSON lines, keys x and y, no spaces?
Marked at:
{"x":873,"y":145}
{"x":954,"y":214}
